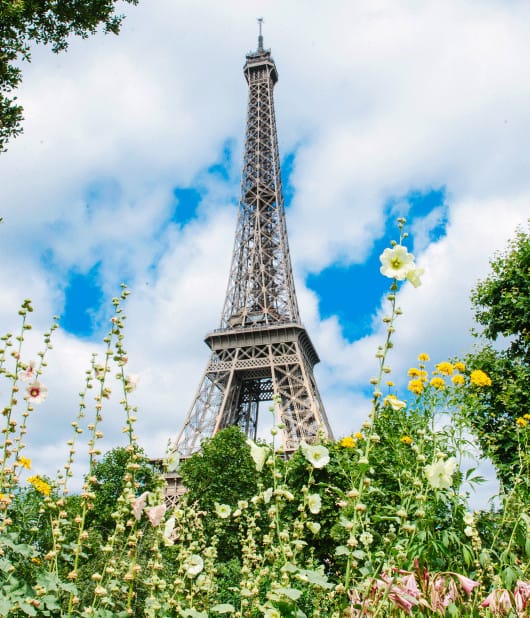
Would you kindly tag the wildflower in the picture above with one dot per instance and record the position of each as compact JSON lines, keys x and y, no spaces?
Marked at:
{"x":272,"y":612}
{"x":222,"y":510}
{"x":440,"y":473}
{"x":469,"y":518}
{"x":416,"y":386}
{"x":347,"y":442}
{"x":172,"y":461}
{"x":29,"y":373}
{"x":406,"y":439}
{"x":458,"y":380}
{"x":390,"y":383}
{"x":526,"y":416}
{"x":138,"y":505}
{"x":521,"y":422}
{"x":36,"y":392}
{"x":466,"y":583}
{"x":498,"y":601}
{"x":156,"y":513}
{"x":267,"y":495}
{"x":521,"y":595}
{"x":479,"y":378}
{"x":366,"y":539}
{"x":168,"y":531}
{"x":459,"y":366}
{"x":413,"y":372}
{"x":314,"y":526}
{"x":445,"y":368}
{"x":424,"y":357}
{"x":25,"y":462}
{"x":316,"y":455}
{"x":396,"y":262}
{"x":413,"y":276}
{"x":193,"y":565}
{"x":438,"y":383}
{"x":468,"y":531}
{"x":358,"y":435}
{"x":258,"y":454}
{"x":131,"y":382}
{"x":41,"y":486}
{"x":314,"y":503}
{"x":394,"y":403}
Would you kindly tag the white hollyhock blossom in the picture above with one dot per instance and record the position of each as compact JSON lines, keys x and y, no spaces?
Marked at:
{"x":168,"y":531}
{"x":131,"y":381}
{"x":36,"y":392}
{"x":440,"y":473}
{"x":314,"y":526}
{"x":396,"y":262}
{"x":314,"y":503}
{"x":172,"y":462}
{"x":156,"y":513}
{"x":258,"y":454}
{"x":394,"y":403}
{"x":414,"y":275}
{"x":194,"y":565}
{"x":29,"y":373}
{"x":267,"y":495}
{"x":316,"y":455}
{"x":223,"y":510}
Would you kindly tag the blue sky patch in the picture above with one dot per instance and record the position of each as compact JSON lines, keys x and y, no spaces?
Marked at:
{"x":83,"y":299}
{"x":353,"y":293}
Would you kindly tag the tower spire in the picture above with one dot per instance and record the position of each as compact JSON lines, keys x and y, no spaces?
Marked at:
{"x":260,"y":35}
{"x":261,"y":350}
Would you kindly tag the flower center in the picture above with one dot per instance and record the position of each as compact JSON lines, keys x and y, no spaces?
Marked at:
{"x":34,"y":392}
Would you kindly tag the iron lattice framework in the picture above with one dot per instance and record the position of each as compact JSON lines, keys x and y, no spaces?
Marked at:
{"x":261,"y":348}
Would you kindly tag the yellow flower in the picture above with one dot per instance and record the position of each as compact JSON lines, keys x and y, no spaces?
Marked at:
{"x":393,"y":402}
{"x":25,"y":462}
{"x":423,"y":375}
{"x":458,"y":380}
{"x":406,"y":439}
{"x":460,"y":367}
{"x":413,"y":372}
{"x":347,"y":442}
{"x":445,"y":368}
{"x":479,"y":378}
{"x":521,"y":422}
{"x":41,"y":486}
{"x":416,"y":386}
{"x":424,"y":357}
{"x":438,"y":383}
{"x":390,"y":383}
{"x":527,"y":416}
{"x":358,"y":435}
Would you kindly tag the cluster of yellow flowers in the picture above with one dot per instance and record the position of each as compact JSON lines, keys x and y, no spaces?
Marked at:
{"x":25,"y":462}
{"x":41,"y":486}
{"x":522,"y":421}
{"x":351,"y":441}
{"x":447,"y":369}
{"x":406,"y":439}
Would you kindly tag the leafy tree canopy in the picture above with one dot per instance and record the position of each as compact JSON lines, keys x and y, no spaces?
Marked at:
{"x":50,"y":22}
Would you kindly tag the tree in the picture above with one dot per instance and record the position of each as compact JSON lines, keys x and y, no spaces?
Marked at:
{"x":51,"y":22}
{"x":502,"y":308}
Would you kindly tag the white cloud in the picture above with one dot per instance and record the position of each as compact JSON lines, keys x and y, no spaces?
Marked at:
{"x":377,"y":99}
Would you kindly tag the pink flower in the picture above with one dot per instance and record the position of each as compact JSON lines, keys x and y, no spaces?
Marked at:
{"x":36,"y":392}
{"x":156,"y":514}
{"x":466,"y":583}
{"x":138,"y":505}
{"x":521,"y":596}
{"x":29,"y":373}
{"x":499,"y":601}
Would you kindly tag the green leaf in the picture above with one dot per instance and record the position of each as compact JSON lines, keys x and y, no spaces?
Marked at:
{"x":342,"y":550}
{"x":291,"y":593}
{"x":223,"y":608}
{"x":193,"y":613}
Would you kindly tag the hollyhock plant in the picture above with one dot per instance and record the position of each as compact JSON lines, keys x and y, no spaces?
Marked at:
{"x":36,"y":392}
{"x":396,"y":263}
{"x":316,"y":455}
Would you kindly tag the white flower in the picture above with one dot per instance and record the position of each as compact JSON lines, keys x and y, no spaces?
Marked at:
{"x":168,"y":531}
{"x":29,"y":373}
{"x":193,"y":565}
{"x":414,"y":275}
{"x":314,"y":503}
{"x":394,"y":403}
{"x":258,"y":454}
{"x":396,"y":262}
{"x":267,"y":495}
{"x":131,"y":381}
{"x":440,"y":473}
{"x":172,"y":462}
{"x":314,"y":526}
{"x":222,"y":510}
{"x":156,"y":514}
{"x":316,"y":455}
{"x":36,"y":392}
{"x":468,"y":531}
{"x":469,"y":518}
{"x":272,"y":612}
{"x":366,"y":539}
{"x":138,"y":504}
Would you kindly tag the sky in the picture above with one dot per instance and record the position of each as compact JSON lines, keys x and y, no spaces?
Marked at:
{"x":129,"y":167}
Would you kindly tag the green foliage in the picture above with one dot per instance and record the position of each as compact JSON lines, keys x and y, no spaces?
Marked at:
{"x":25,"y":22}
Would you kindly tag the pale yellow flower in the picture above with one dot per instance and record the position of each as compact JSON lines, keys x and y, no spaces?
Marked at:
{"x":396,"y":263}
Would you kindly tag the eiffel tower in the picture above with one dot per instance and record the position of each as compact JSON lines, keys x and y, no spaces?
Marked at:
{"x":261,"y":348}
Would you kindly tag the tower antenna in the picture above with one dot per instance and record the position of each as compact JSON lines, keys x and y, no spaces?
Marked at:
{"x":260,"y":36}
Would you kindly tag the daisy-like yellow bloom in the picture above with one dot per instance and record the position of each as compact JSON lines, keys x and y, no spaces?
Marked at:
{"x":25,"y":462}
{"x":460,"y":367}
{"x":438,"y":383}
{"x":479,"y":378}
{"x":413,"y":372}
{"x":358,"y":435}
{"x":521,"y":422}
{"x":41,"y":486}
{"x":347,"y":442}
{"x":527,"y":416}
{"x":390,"y":383}
{"x":458,"y":380}
{"x":424,"y":357}
{"x":445,"y":368}
{"x":406,"y":439}
{"x":416,"y":386}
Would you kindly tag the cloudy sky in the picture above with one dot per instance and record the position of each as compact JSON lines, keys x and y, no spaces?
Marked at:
{"x":128,"y":170}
